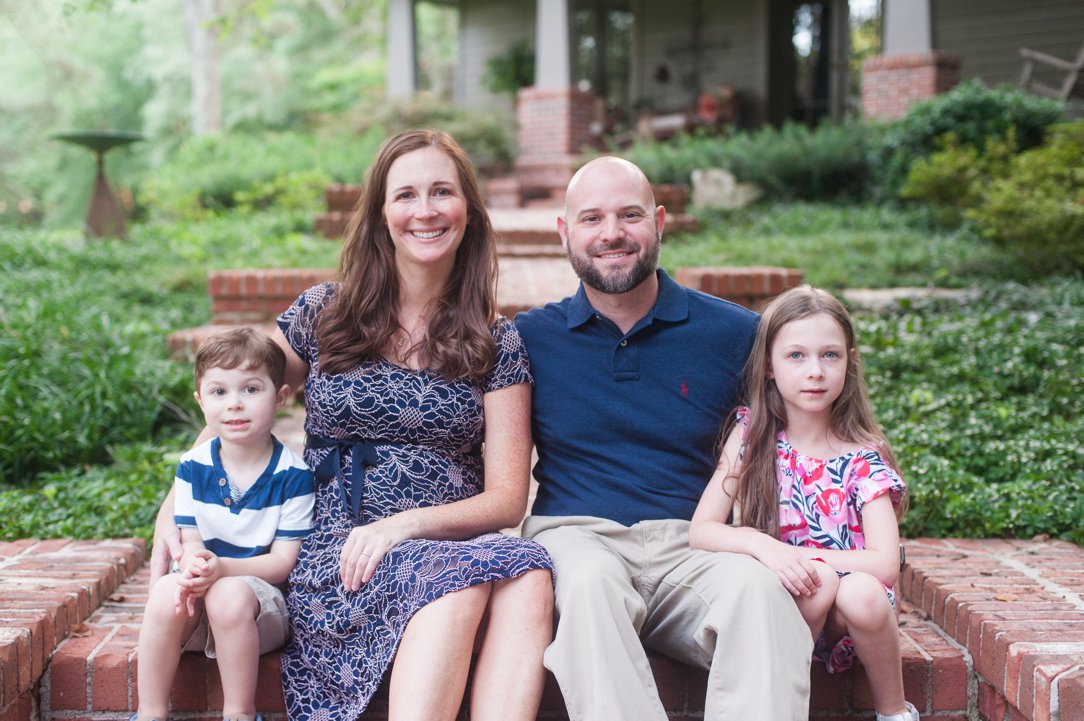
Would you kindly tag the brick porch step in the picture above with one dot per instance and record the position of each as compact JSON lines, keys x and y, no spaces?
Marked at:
{"x":992,"y":630}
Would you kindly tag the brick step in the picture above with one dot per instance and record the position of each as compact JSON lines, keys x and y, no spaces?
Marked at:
{"x":105,"y":661}
{"x":992,"y":630}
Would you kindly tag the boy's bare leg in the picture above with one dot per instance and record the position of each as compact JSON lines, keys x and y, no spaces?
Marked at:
{"x":160,"y":638}
{"x":232,"y":609}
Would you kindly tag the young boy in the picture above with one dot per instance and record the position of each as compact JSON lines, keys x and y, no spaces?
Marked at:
{"x":243,"y":502}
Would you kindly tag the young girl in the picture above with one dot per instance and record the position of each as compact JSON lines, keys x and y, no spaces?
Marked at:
{"x":814,"y":490}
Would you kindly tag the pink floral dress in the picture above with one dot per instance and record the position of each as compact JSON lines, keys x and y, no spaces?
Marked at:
{"x":820,"y":506}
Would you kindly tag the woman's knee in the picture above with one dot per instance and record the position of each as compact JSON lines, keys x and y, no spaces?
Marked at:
{"x":529,"y":595}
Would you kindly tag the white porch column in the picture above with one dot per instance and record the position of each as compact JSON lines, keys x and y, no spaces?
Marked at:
{"x":907,"y":27}
{"x":553,"y":58}
{"x":401,"y":71}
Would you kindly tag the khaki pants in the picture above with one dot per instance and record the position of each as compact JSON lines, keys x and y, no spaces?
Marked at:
{"x":623,"y":589}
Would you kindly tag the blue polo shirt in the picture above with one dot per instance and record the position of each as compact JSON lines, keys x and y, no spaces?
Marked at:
{"x":626,"y":424}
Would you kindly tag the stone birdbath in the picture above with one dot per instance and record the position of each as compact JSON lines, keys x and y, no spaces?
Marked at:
{"x":105,"y":217}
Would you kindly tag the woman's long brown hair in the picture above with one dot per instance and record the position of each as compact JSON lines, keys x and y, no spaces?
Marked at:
{"x":852,"y":418}
{"x":363,"y":315}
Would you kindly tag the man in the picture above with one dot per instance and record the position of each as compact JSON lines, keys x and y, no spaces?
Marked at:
{"x":633,"y":378}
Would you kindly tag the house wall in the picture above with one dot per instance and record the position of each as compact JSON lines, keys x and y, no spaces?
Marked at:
{"x":987,"y":33}
{"x":488,"y":28}
{"x":733,"y":38}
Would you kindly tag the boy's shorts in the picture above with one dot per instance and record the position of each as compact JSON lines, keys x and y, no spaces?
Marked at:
{"x":272,"y":624}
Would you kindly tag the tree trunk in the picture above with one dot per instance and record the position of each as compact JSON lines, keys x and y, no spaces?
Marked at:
{"x":202,"y":35}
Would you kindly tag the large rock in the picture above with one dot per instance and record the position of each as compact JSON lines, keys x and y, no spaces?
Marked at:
{"x":718,"y":188}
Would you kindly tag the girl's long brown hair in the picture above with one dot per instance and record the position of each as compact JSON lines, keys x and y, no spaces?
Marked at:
{"x":852,"y":417}
{"x":363,"y":315}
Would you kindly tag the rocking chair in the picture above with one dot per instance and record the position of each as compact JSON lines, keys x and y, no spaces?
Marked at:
{"x":1071,"y":68}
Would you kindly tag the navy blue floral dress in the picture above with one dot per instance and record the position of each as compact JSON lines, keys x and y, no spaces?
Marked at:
{"x":387,"y":439}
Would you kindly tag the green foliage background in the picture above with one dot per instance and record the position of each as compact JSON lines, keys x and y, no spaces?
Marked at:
{"x":980,"y":395}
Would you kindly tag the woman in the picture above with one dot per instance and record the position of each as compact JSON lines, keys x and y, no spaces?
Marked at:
{"x":408,"y":371}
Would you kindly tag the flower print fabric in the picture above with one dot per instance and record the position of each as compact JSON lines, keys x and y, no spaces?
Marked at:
{"x":427,"y":435}
{"x":820,"y":506}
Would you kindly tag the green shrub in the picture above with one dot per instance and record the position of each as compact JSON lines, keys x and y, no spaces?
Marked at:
{"x":218,"y":172}
{"x":790,"y":163}
{"x":983,"y":401}
{"x":488,"y":138}
{"x":82,"y":366}
{"x":970,"y":110}
{"x":1035,"y":210}
{"x":954,"y":177}
{"x":114,"y":501}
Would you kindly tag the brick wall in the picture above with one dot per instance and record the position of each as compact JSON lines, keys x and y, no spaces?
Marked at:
{"x":554,"y":124}
{"x":752,"y":287}
{"x":240,"y":297}
{"x":890,"y":83}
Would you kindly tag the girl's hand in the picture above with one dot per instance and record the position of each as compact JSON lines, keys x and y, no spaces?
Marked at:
{"x":793,"y":566}
{"x":366,"y":546}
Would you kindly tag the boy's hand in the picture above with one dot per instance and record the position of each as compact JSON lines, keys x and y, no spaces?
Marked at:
{"x":199,"y":569}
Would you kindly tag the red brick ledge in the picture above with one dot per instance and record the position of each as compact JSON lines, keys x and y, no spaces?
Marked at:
{"x":991,"y":630}
{"x":47,"y":590}
{"x":1017,"y":608}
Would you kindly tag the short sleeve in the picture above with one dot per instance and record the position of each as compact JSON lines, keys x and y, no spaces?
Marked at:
{"x":298,"y":322}
{"x":511,"y":366}
{"x":295,"y":519}
{"x":184,"y":506}
{"x":871,"y":477}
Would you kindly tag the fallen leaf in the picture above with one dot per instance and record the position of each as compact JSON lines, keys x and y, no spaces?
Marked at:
{"x":80,"y":629}
{"x":1005,"y":597}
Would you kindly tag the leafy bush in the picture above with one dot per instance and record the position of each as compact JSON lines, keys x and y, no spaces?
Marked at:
{"x":970,"y":110}
{"x":217,"y":172}
{"x":114,"y":501}
{"x":488,"y":140}
{"x":1035,"y":210}
{"x":953,"y":178}
{"x":983,"y":401}
{"x":792,"y":162}
{"x":1031,"y":203}
{"x":82,"y":366}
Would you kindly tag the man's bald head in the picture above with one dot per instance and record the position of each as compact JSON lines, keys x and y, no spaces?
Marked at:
{"x":606,"y":171}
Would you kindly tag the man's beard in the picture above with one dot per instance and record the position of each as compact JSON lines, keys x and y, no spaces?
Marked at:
{"x":614,"y":284}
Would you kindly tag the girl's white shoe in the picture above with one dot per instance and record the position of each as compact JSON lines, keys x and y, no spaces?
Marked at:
{"x":910,"y":714}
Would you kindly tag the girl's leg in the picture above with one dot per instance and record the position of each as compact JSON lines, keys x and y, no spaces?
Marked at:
{"x":508,"y":676}
{"x":429,"y":672}
{"x":232,"y":608}
{"x":160,"y":639}
{"x":862,"y":607}
{"x":815,"y":608}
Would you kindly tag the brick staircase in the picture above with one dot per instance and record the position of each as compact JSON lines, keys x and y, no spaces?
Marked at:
{"x":991,"y":630}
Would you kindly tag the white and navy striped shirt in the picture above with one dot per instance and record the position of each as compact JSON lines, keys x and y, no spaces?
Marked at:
{"x":279,"y":505}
